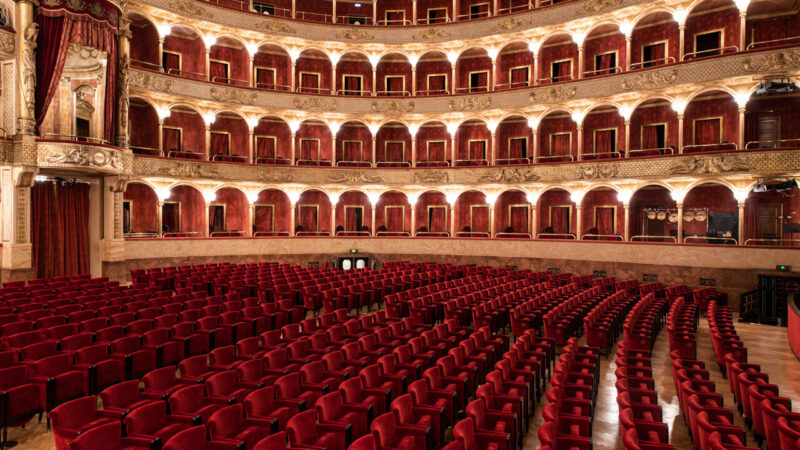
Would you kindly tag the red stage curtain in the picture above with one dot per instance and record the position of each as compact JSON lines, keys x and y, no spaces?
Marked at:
{"x":437,"y":220}
{"x":394,"y":218}
{"x":649,"y":137}
{"x":561,"y":145}
{"x":480,"y":219}
{"x":172,"y":140}
{"x":308,"y":218}
{"x":605,"y":220}
{"x":172,"y":63}
{"x":61,"y":24}
{"x":309,"y":150}
{"x":516,"y":148}
{"x":60,"y":229}
{"x":394,"y":151}
{"x":436,"y":151}
{"x":559,"y":219}
{"x":263,"y":218}
{"x":220,"y":143}
{"x":266,"y":148}
{"x":519,"y":220}
{"x":707,"y":131}
{"x":603,"y":141}
{"x":604,"y":63}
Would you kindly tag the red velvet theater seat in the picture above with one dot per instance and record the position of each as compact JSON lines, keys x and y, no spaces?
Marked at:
{"x":228,"y":426}
{"x":304,"y":431}
{"x":109,"y":437}
{"x":75,"y":417}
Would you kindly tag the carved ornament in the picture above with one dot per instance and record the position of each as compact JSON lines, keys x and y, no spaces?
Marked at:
{"x":511,"y":175}
{"x":431,"y":34}
{"x":650,"y":80}
{"x":470,"y":104}
{"x":7,"y":43}
{"x":148,"y":81}
{"x":276,"y":26}
{"x":431,"y":177}
{"x":189,"y":170}
{"x":392,"y":106}
{"x":553,"y":94}
{"x":510,"y":24}
{"x":119,"y":184}
{"x":355,"y":35}
{"x":231,"y":95}
{"x":599,"y":5}
{"x":788,"y":59}
{"x":353,"y":177}
{"x":29,"y":77}
{"x":84,"y":155}
{"x":598,"y":172}
{"x":191,"y":8}
{"x":315,"y":104}
{"x":711,"y":165}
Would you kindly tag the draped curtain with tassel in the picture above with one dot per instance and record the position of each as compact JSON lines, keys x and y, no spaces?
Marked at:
{"x":64,"y":22}
{"x":60,"y":229}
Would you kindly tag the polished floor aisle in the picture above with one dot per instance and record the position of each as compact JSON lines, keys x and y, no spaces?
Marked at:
{"x":766,"y":345}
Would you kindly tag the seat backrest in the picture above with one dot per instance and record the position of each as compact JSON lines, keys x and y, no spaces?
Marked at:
{"x":302,"y":428}
{"x":109,"y":434}
{"x":120,"y":395}
{"x":464,"y":433}
{"x":146,"y":419}
{"x":73,"y":414}
{"x":384,"y":428}
{"x":187,"y":399}
{"x":226,"y":422}
{"x":260,"y":402}
{"x":193,"y":438}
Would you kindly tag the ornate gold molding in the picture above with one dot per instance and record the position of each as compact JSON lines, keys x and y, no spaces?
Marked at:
{"x":553,"y":94}
{"x":393,"y":106}
{"x":598,"y":171}
{"x":711,"y":165}
{"x":229,"y":95}
{"x":315,"y":104}
{"x":651,"y":79}
{"x":470,"y":103}
{"x":773,"y":62}
{"x":98,"y":158}
{"x":430,"y":34}
{"x":355,"y":35}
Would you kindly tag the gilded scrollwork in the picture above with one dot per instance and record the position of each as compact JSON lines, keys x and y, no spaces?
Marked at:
{"x":7,"y":43}
{"x":233,"y":95}
{"x":275,"y":26}
{"x":393,"y":106}
{"x":470,"y":103}
{"x":598,"y":172}
{"x":510,"y":24}
{"x":192,"y":9}
{"x":189,"y":170}
{"x":650,"y":80}
{"x":553,"y":94}
{"x":599,"y":5}
{"x":353,"y":177}
{"x":151,"y":82}
{"x":773,"y":62}
{"x":511,"y":175}
{"x":355,"y":35}
{"x":431,"y":34}
{"x":84,"y":155}
{"x":315,"y":104}
{"x":711,"y":165}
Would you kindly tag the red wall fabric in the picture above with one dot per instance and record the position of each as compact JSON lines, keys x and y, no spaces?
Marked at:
{"x":144,"y":126}
{"x":239,"y":133}
{"x":465,"y":65}
{"x":433,"y":131}
{"x":650,"y":197}
{"x":280,"y":129}
{"x":344,"y":9}
{"x":723,"y":106}
{"x":314,"y":6}
{"x":239,"y":60}
{"x":653,"y":114}
{"x":472,"y":131}
{"x":440,"y":66}
{"x":430,"y":198}
{"x":514,"y":58}
{"x":394,"y":131}
{"x":385,"y":69}
{"x":552,"y":198}
{"x":311,"y":130}
{"x":556,"y":125}
{"x":193,"y":56}
{"x":353,"y":198}
{"x":645,"y":35}
{"x":512,"y":128}
{"x":502,"y":205}
{"x":772,"y":28}
{"x":393,"y":198}
{"x":603,"y":44}
{"x":395,"y":5}
{"x":601,"y":197}
{"x":715,"y":198}
{"x":787,"y":108}
{"x":360,"y":67}
{"x":144,"y":45}
{"x":599,"y":121}
{"x":280,"y":63}
{"x":317,"y":64}
{"x":549,"y":54}
{"x":424,"y":5}
{"x":728,"y":20}
{"x":354,"y":131}
{"x":463,"y":208}
{"x":193,"y":208}
{"x":314,"y":197}
{"x":237,"y":208}
{"x":281,"y":209}
{"x":194,"y":134}
{"x":144,"y":207}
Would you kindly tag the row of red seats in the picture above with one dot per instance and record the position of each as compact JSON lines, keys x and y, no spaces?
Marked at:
{"x":603,"y":323}
{"x":570,"y":399}
{"x":710,"y":423}
{"x":564,"y":321}
{"x":768,"y":414}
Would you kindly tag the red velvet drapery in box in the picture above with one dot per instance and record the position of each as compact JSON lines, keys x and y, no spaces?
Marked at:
{"x":436,"y":84}
{"x":436,"y":151}
{"x":172,"y":140}
{"x":437,"y":219}
{"x":559,"y":219}
{"x":60,"y":229}
{"x":309,"y":150}
{"x":516,"y":148}
{"x":265,"y":148}
{"x":519,"y":76}
{"x":352,"y":151}
{"x":172,"y":63}
{"x":308,"y":217}
{"x":604,"y":219}
{"x":561,"y":144}
{"x":479,"y":222}
{"x":220,"y":143}
{"x":394,"y":218}
{"x":394,"y":151}
{"x":519,"y":219}
{"x":707,"y":131}
{"x":352,"y":216}
{"x":604,"y":141}
{"x":264,"y":218}
{"x":658,"y":54}
{"x":64,"y":22}
{"x":265,"y":79}
{"x":604,"y":63}
{"x":219,"y":72}
{"x":649,"y":137}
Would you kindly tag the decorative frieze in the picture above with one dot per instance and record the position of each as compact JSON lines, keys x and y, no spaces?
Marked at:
{"x":95,"y":158}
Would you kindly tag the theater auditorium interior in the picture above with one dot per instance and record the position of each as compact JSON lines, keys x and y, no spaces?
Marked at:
{"x":399,"y":224}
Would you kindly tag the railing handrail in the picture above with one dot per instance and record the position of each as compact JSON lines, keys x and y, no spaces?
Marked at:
{"x":643,"y":150}
{"x":179,"y":72}
{"x":275,"y":8}
{"x":549,"y":157}
{"x":558,"y":79}
{"x":777,"y":141}
{"x":524,"y":159}
{"x":302,"y":15}
{"x":353,"y":233}
{"x":483,"y":161}
{"x":666,"y":59}
{"x":513,"y":235}
{"x":174,"y":234}
{"x":427,"y":20}
{"x":313,"y":160}
{"x":301,"y":89}
{"x":391,"y":93}
{"x":711,"y":238}
{"x":447,"y":163}
{"x":231,"y":233}
{"x":72,"y":137}
{"x":752,"y":45}
{"x":353,"y":162}
{"x":593,"y":235}
{"x":219,"y":156}
{"x":560,"y":235}
{"x":386,"y":163}
{"x":148,"y":63}
{"x":342,"y":18}
{"x":643,"y":237}
{"x":512,"y":9}
{"x":274,"y":158}
{"x":244,"y":6}
{"x":473,"y":89}
{"x":270,"y":233}
{"x":735,"y":146}
{"x":273,"y":87}
{"x":228,"y":80}
{"x":360,"y":92}
{"x":433,"y":233}
{"x":172,"y":153}
{"x":395,"y":22}
{"x":616,"y":69}
{"x":512,"y":85}
{"x":313,"y":233}
{"x":749,"y":241}
{"x":143,"y":235}
{"x":481,"y":234}
{"x":721,"y":50}
{"x":618,"y":153}
{"x":393,"y":233}
{"x":478,"y":15}
{"x":433,"y":92}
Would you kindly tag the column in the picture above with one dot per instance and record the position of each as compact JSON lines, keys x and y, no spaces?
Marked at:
{"x":333,"y":220}
{"x":206,"y":231}
{"x":533,"y":221}
{"x":453,"y":80}
{"x":413,"y":230}
{"x":374,"y":80}
{"x":491,"y":221}
{"x":578,"y":221}
{"x":374,"y":151}
{"x":161,"y":53}
{"x":580,"y":142}
{"x":414,"y":13}
{"x":294,"y":212}
{"x":413,"y":151}
{"x":123,"y":69}
{"x":626,"y":236}
{"x":16,"y":212}
{"x":333,"y":150}
{"x":161,"y":137}
{"x":372,"y":207}
{"x":159,"y":222}
{"x":251,"y":145}
{"x":294,"y":15}
{"x":333,"y":79}
{"x":252,"y":71}
{"x":453,"y":150}
{"x":293,"y":145}
{"x":452,"y":221}
{"x":742,"y":31}
{"x":208,"y":142}
{"x":495,"y":149}
{"x":627,"y":137}
{"x":741,"y":223}
{"x":535,"y":153}
{"x":454,"y":15}
{"x":333,"y":12}
{"x":681,"y":47}
{"x":374,"y":12}
{"x":292,"y":77}
{"x":628,"y":53}
{"x":496,"y":8}
{"x":680,"y":223}
{"x":493,"y":84}
{"x":26,"y":66}
{"x":414,"y":77}
{"x":740,"y":140}
{"x":250,"y":220}
{"x":535,"y":80}
{"x":580,"y":62}
{"x":680,"y":133}
{"x":208,"y":64}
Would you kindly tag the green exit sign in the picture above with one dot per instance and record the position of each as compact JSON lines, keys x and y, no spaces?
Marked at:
{"x":783,"y":268}
{"x":353,"y":250}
